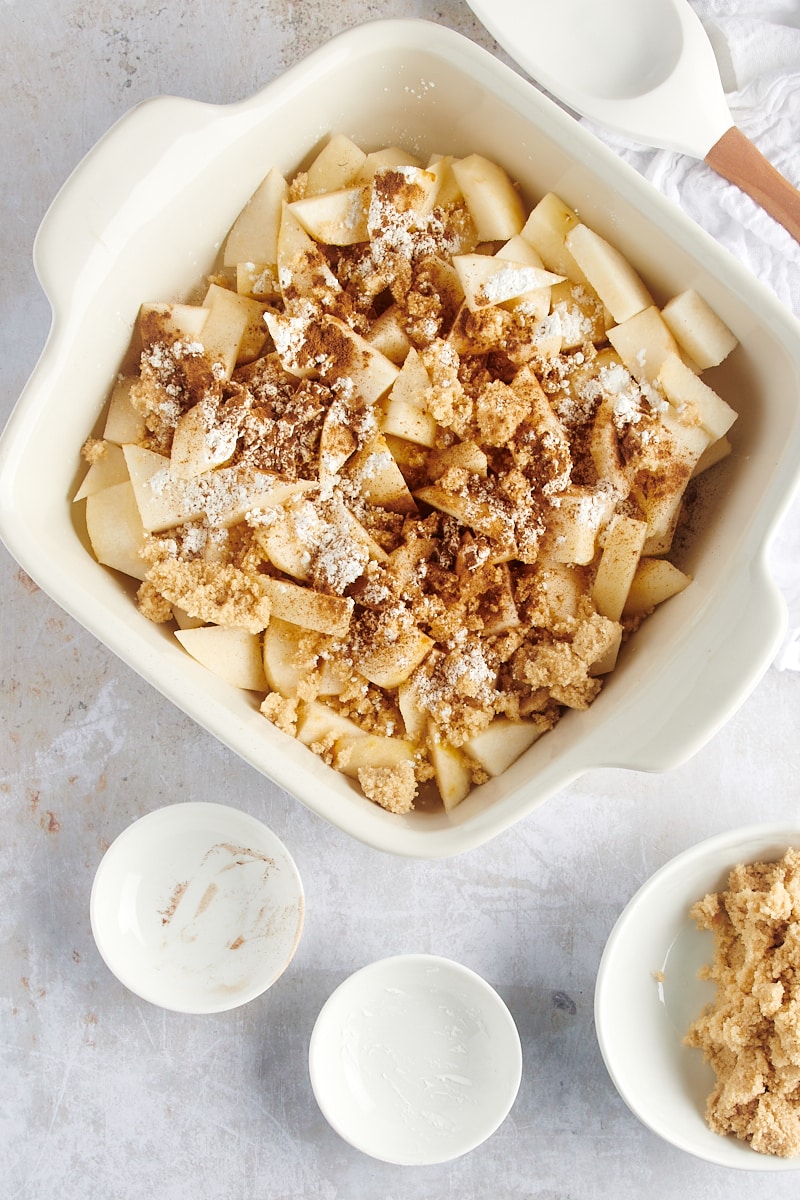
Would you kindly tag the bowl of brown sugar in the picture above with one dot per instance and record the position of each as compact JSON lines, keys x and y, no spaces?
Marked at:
{"x":697,"y":1006}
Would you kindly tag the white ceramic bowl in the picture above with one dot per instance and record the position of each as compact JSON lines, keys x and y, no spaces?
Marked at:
{"x":415,"y":1060}
{"x":142,"y":219}
{"x":197,"y":907}
{"x":641,"y":1020}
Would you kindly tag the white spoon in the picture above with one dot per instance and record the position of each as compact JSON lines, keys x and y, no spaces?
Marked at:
{"x":646,"y":69}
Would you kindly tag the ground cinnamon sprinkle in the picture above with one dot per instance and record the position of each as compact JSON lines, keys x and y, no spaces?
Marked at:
{"x":399,"y":495}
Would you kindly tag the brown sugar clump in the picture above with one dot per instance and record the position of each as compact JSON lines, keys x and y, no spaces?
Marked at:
{"x":750,"y":1034}
{"x":213,"y":592}
{"x":394,"y":788}
{"x":94,"y":449}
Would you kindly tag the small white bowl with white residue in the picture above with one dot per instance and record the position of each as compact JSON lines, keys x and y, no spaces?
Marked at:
{"x":197,"y":907}
{"x":415,"y":1060}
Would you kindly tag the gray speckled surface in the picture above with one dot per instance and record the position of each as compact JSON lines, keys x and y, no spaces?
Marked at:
{"x":106,"y":1096}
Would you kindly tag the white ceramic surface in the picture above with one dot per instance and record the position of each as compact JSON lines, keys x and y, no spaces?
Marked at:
{"x":646,"y":71}
{"x":641,"y":1020}
{"x":415,"y":1060}
{"x":143,"y":216}
{"x":197,"y":907}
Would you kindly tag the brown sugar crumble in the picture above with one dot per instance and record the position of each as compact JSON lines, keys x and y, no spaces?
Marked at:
{"x":750,"y":1033}
{"x":394,"y":788}
{"x":394,"y":460}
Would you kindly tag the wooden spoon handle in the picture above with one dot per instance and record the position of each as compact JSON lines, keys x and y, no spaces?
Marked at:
{"x":736,"y":158}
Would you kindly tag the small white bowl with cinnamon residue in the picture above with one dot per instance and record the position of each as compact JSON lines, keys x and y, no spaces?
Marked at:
{"x":197,"y":907}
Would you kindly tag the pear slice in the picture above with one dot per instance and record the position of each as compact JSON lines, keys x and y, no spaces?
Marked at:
{"x":698,"y":329}
{"x":107,"y":471}
{"x":336,"y":166}
{"x":692,"y":398}
{"x":115,"y":529}
{"x":608,"y":271}
{"x":318,"y":724}
{"x":502,"y":742}
{"x":335,"y":218}
{"x":254,"y":233}
{"x":352,"y":752}
{"x":232,"y":654}
{"x":124,"y":423}
{"x":494,"y":203}
{"x":655,"y":580}
{"x":624,"y":540}
{"x":488,"y":281}
{"x":452,"y":773}
{"x":546,"y":229}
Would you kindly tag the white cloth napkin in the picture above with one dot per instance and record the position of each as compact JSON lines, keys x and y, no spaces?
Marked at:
{"x":757,"y":46}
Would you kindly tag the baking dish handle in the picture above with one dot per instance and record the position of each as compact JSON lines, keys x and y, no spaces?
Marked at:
{"x":750,"y":624}
{"x":153,"y":139}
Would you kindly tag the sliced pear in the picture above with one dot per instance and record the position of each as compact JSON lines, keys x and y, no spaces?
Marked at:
{"x":448,"y":192}
{"x":408,"y":421}
{"x":643,"y":342}
{"x":232,"y":654}
{"x":335,"y":218}
{"x":574,"y":523}
{"x":378,"y":478}
{"x":492,"y":280}
{"x":336,"y":166}
{"x":608,"y":271}
{"x":107,"y":471}
{"x":198,"y":444}
{"x":502,"y":742}
{"x":308,"y":608}
{"x":254,"y":233}
{"x":693,"y":400}
{"x":713,"y":453}
{"x":622,"y":550}
{"x":577,"y":314}
{"x":387,"y":334}
{"x":608,"y":658}
{"x":282,"y":668}
{"x":413,"y":382}
{"x":354,"y":751}
{"x":546,"y":230}
{"x":655,"y":580}
{"x":411,"y":203}
{"x":168,"y":322}
{"x":302,"y":267}
{"x":698,"y":329}
{"x":387,"y":158}
{"x":452,"y":773}
{"x":258,"y":280}
{"x":414,"y":715}
{"x":391,"y":664}
{"x":115,"y":529}
{"x":345,"y":353}
{"x":165,"y":501}
{"x":317,"y":724}
{"x":123,"y":422}
{"x":494,"y":203}
{"x":467,"y":455}
{"x":235,"y":329}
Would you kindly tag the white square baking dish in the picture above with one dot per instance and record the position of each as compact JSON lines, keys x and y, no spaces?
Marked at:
{"x":142,"y":218}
